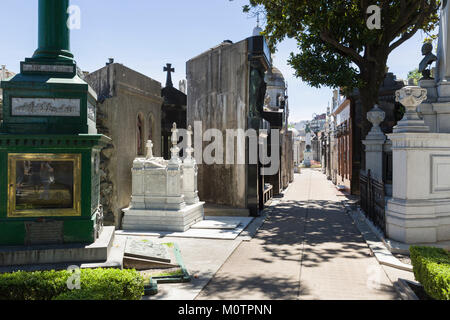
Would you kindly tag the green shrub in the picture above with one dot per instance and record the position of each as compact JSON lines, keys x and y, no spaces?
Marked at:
{"x":95,"y":284}
{"x":431,"y":268}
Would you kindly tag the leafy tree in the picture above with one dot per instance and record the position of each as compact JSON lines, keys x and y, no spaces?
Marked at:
{"x":415,"y":74}
{"x":336,"y":46}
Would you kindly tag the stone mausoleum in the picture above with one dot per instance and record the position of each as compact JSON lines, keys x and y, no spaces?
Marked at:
{"x":226,"y":91}
{"x":129,"y":111}
{"x":165,"y":196}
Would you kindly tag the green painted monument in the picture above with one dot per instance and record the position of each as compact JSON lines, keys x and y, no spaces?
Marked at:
{"x":49,"y":146}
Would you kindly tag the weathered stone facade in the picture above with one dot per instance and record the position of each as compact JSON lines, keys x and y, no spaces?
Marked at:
{"x":216,"y":98}
{"x":129,"y":111}
{"x":226,"y":91}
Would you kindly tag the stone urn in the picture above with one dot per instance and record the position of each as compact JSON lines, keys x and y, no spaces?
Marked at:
{"x":375,"y":116}
{"x":411,"y":97}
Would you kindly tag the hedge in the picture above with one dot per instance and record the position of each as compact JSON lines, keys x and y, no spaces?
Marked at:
{"x":431,"y":268}
{"x":95,"y":284}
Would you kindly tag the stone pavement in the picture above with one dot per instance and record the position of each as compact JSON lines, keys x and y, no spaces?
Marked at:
{"x":308,"y":248}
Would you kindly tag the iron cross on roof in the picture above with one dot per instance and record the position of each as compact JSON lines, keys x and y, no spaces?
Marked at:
{"x":169,"y":70}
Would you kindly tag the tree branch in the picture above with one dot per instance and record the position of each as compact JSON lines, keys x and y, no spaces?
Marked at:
{"x":352,"y":54}
{"x":418,"y":24}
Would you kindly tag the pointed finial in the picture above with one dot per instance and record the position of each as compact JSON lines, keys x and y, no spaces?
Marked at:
{"x":174,"y":134}
{"x":174,"y":150}
{"x":189,"y":148}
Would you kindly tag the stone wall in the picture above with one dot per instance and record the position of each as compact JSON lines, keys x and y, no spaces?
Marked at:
{"x":287,"y":173}
{"x":218,"y":96}
{"x":123,"y":95}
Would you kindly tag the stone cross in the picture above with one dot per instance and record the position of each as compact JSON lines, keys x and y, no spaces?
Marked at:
{"x":169,"y":70}
{"x":149,"y":149}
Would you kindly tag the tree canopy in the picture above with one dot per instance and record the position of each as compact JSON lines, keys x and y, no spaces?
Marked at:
{"x":415,"y":75}
{"x":336,"y":46}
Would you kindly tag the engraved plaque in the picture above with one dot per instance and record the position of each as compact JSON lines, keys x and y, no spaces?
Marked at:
{"x":46,"y":232}
{"x":47,"y":68}
{"x":45,"y":107}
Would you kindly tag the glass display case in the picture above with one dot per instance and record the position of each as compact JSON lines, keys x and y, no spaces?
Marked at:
{"x":43,"y":185}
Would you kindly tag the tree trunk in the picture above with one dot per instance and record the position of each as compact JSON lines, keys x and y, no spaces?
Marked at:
{"x":373,"y":75}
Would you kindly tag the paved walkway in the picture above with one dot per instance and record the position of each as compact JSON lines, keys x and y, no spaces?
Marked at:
{"x":308,"y":248}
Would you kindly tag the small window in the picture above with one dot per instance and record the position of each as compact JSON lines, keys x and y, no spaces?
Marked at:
{"x":140,"y":136}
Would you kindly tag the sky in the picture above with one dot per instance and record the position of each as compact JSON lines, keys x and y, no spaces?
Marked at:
{"x":144,"y":35}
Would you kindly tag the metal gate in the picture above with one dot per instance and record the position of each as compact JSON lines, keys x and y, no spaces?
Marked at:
{"x":373,"y":200}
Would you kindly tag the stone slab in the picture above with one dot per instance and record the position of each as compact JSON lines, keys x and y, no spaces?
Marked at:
{"x":146,"y":249}
{"x":201,"y":265}
{"x":145,"y":264}
{"x":215,"y":224}
{"x":225,"y":234}
{"x":404,"y":290}
{"x":45,"y":254}
{"x":162,"y":220}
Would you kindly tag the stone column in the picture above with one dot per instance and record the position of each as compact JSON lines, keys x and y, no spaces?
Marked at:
{"x":54,"y":35}
{"x":419,"y":210}
{"x":190,"y":173}
{"x":374,"y":144}
{"x":426,"y":109}
{"x":138,"y":184}
{"x":175,"y":197}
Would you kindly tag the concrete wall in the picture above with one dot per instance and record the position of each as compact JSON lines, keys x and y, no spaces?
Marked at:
{"x":287,"y":158}
{"x":123,"y":95}
{"x":218,"y":96}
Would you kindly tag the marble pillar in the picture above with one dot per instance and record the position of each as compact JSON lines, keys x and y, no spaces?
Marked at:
{"x":419,"y":210}
{"x":374,"y":144}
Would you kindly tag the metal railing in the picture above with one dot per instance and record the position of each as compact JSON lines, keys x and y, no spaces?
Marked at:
{"x":373,"y":199}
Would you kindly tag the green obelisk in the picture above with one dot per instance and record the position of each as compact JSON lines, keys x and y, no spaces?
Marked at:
{"x":49,"y":146}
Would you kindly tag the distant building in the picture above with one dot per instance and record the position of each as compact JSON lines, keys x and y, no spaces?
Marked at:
{"x":276,"y":112}
{"x":298,"y":146}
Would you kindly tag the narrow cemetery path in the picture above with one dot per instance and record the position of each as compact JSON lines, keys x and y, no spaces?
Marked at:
{"x":308,"y":248}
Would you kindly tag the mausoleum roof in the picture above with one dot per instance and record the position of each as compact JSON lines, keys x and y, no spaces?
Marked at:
{"x":275,"y":78}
